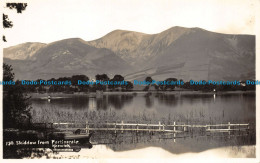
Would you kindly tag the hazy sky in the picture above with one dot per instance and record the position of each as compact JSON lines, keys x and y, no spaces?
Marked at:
{"x":51,"y":20}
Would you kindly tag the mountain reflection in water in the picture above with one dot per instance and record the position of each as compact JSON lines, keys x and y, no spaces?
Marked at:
{"x":153,"y":107}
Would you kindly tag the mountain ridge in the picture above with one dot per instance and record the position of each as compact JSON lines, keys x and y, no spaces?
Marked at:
{"x":184,"y":53}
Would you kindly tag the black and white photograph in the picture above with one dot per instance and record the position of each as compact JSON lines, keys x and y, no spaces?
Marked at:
{"x":129,"y":79}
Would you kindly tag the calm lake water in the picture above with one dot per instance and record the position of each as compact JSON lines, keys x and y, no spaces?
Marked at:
{"x":196,"y":108}
{"x":165,"y":107}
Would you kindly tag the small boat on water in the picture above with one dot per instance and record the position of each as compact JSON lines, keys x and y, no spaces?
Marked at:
{"x":48,"y":97}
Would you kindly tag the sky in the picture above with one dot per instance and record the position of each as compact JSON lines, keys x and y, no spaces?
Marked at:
{"x":52,"y":20}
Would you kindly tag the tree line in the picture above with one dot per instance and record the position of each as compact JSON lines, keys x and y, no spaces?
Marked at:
{"x":204,"y":88}
{"x":75,"y":87}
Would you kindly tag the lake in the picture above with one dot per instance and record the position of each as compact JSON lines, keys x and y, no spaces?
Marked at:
{"x":197,"y":108}
{"x":167,"y":107}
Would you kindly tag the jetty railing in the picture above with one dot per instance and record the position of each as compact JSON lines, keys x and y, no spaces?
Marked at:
{"x":138,"y":127}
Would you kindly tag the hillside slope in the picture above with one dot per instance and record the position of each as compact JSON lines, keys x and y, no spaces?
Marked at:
{"x":183,"y":53}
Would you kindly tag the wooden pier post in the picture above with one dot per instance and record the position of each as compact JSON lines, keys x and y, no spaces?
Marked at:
{"x":163,"y":127}
{"x":174,"y":137}
{"x":115,"y":128}
{"x":137,"y":128}
{"x":174,"y":126}
{"x":87,"y":127}
{"x":122,"y":127}
{"x":52,"y":128}
{"x":159,"y":125}
{"x":67,"y":126}
{"x":184,"y":128}
{"x":228,"y":125}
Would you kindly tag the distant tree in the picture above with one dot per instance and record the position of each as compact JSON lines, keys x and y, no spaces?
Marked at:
{"x":129,"y":86}
{"x":171,"y":86}
{"x":103,"y":78}
{"x":148,"y":79}
{"x":64,"y":88}
{"x":76,"y":78}
{"x":40,"y":88}
{"x":117,"y":78}
{"x":156,"y":87}
{"x":30,"y":88}
{"x":207,"y":87}
{"x":186,"y":85}
{"x":16,"y":106}
{"x":249,"y":86}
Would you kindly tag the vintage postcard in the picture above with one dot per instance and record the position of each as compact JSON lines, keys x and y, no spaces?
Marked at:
{"x":129,"y":79}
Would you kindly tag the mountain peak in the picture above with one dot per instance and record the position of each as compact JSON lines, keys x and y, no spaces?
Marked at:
{"x":68,"y":40}
{"x":119,"y":41}
{"x":123,"y":32}
{"x":178,"y":28}
{"x":184,"y":29}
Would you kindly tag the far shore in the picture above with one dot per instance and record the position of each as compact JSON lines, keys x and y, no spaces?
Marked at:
{"x":94,"y":94}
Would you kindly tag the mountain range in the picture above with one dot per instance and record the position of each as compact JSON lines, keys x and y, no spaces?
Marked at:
{"x":182,"y":53}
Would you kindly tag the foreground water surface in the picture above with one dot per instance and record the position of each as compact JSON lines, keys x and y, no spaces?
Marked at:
{"x":226,"y":107}
{"x":154,"y":107}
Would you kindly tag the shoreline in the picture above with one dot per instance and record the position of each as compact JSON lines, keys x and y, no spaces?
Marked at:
{"x":93,"y":94}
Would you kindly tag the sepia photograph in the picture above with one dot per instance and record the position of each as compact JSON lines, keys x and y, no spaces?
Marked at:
{"x":129,"y":79}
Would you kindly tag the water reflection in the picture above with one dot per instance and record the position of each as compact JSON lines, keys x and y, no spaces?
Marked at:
{"x":179,"y":143}
{"x":168,"y":100}
{"x":119,"y":101}
{"x":149,"y":100}
{"x":200,"y":107}
{"x":153,"y":107}
{"x":76,"y":102}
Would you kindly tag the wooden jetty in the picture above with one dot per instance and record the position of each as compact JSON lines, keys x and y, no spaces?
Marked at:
{"x":141,"y":127}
